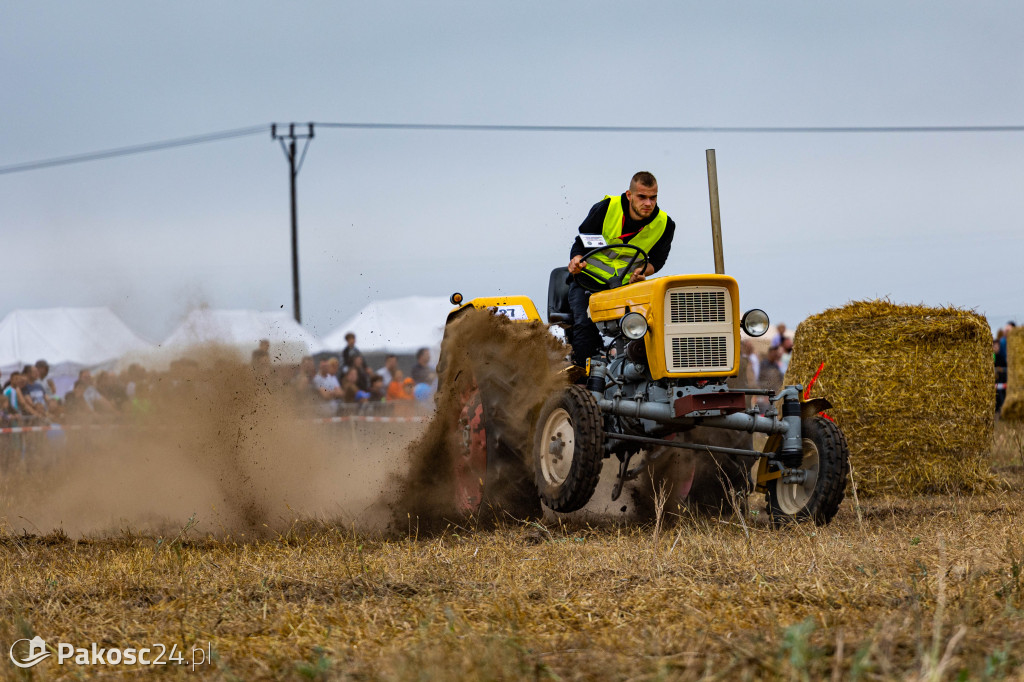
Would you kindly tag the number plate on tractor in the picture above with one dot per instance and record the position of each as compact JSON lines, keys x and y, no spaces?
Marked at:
{"x":725,"y":402}
{"x":516,"y":313}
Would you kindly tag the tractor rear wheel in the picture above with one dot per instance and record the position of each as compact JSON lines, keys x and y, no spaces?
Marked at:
{"x":491,"y":478}
{"x":826,"y":461}
{"x":470,"y":461}
{"x":567,"y":449}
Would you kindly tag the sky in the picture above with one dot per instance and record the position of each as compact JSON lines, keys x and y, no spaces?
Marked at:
{"x":810,"y":221}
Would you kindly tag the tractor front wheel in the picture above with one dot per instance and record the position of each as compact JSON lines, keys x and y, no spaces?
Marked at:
{"x":826,"y":463}
{"x":567,"y":449}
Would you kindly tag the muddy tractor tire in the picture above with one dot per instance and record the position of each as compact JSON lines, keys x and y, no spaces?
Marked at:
{"x":568,"y":448}
{"x":491,"y":478}
{"x":827,"y":459}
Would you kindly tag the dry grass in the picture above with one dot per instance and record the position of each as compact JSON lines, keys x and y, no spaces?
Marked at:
{"x":926,"y":588}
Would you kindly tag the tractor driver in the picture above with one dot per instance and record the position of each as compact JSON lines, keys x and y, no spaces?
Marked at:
{"x":632,"y":218}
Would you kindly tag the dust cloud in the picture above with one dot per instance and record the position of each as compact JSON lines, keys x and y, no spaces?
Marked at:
{"x":517,"y":366}
{"x":223,"y":444}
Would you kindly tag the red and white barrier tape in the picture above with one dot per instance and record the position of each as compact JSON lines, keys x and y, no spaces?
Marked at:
{"x":360,"y":418}
{"x":56,"y":427}
{"x":324,"y":420}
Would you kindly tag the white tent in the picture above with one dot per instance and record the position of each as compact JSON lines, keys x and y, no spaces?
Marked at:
{"x":69,"y":339}
{"x":398,"y":325}
{"x":243,"y":330}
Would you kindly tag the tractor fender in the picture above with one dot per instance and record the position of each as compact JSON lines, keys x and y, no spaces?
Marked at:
{"x":811,"y":407}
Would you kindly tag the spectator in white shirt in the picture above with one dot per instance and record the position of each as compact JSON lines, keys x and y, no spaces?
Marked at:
{"x":328,"y":387}
{"x":387,"y":372}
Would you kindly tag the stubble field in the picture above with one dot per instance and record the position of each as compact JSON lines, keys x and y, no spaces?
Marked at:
{"x":895,"y":588}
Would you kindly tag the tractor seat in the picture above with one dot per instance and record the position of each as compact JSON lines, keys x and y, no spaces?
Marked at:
{"x":558,"y":297}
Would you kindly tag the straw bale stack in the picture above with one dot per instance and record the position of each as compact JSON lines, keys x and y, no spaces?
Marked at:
{"x":1013,"y":406}
{"x":912,"y":390}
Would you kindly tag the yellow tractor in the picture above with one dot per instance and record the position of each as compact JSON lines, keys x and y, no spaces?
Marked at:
{"x":672,"y":347}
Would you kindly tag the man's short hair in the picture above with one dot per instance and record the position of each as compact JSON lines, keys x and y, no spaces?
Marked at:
{"x":644,"y":178}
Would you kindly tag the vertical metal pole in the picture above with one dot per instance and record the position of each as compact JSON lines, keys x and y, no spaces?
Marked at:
{"x":716,"y":216}
{"x":295,"y":236}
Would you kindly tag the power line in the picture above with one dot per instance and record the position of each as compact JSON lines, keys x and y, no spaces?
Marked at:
{"x":134,"y":149}
{"x":471,"y":127}
{"x":678,"y":129}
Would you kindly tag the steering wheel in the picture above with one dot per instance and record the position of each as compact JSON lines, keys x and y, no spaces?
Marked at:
{"x":591,"y":284}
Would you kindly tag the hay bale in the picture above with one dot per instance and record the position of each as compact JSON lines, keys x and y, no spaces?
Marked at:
{"x":1013,"y":407}
{"x":912,"y":389}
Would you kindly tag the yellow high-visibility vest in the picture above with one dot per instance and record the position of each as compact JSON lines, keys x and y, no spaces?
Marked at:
{"x":603,"y":266}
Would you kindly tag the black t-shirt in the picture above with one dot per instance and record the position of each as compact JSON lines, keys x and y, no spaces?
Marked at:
{"x":594,"y":222}
{"x":347,"y":355}
{"x":1001,"y":366}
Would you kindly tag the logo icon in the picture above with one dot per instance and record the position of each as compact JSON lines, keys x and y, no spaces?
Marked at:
{"x":36,"y":652}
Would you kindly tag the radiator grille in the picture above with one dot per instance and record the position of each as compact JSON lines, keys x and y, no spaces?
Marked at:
{"x":696,"y":306}
{"x":700,"y":351}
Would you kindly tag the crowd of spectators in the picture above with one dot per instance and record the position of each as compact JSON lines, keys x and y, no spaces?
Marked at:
{"x":327,"y":386}
{"x":338,"y":384}
{"x":29,"y":397}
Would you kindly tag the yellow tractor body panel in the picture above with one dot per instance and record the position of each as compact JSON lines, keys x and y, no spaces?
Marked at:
{"x":515,"y":308}
{"x":693,"y":322}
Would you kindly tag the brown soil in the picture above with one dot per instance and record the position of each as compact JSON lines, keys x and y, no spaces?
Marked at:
{"x":519,"y":361}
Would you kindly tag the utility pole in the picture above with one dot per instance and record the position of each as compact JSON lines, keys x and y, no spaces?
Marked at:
{"x":294,"y":168}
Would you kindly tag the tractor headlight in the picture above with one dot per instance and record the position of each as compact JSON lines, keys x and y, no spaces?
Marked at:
{"x":755,"y":322}
{"x":633,"y":325}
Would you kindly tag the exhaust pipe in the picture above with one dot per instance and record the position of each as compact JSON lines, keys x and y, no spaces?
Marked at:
{"x":664,"y":412}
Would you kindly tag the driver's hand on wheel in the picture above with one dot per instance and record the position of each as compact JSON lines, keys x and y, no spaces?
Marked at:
{"x":576,"y":265}
{"x":639,"y":275}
